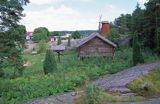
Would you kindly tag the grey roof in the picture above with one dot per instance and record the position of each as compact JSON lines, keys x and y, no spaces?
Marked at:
{"x":95,"y":34}
{"x":58,"y":48}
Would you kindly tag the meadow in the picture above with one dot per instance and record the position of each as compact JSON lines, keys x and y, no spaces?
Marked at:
{"x":72,"y":74}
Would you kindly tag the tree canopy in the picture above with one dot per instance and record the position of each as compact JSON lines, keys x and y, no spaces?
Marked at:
{"x":40,"y":33}
{"x":76,"y":35}
{"x":11,"y":34}
{"x":143,"y":21}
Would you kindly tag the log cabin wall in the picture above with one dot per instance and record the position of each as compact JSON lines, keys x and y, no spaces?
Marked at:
{"x":96,"y":47}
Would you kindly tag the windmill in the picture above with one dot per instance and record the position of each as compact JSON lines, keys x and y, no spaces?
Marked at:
{"x":100,"y":23}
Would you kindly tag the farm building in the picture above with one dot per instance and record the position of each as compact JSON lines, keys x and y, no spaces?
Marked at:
{"x":95,"y":45}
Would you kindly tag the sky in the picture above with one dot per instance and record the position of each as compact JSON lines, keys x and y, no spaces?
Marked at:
{"x":59,"y":15}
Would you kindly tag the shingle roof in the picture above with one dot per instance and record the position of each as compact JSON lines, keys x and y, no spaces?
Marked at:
{"x":95,"y":34}
{"x":58,"y":48}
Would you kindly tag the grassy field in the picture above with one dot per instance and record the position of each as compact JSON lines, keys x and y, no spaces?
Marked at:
{"x":153,"y":82}
{"x":72,"y":73}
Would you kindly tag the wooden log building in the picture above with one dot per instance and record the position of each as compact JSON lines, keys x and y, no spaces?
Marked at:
{"x":95,"y":45}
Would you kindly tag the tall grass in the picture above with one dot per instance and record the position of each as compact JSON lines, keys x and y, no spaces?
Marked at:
{"x":72,"y":73}
{"x":153,"y":83}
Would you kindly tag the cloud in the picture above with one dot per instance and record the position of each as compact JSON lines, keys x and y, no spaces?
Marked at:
{"x":64,"y":17}
{"x":42,"y":2}
{"x":111,"y":12}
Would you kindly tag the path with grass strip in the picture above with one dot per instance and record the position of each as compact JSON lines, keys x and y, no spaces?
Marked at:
{"x":113,"y":83}
{"x":117,"y":82}
{"x":151,"y":101}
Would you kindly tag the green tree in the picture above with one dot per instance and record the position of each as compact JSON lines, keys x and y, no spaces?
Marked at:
{"x":59,"y":41}
{"x":49,"y":65}
{"x":41,"y":33}
{"x":137,"y":54}
{"x":42,"y":47}
{"x":11,"y":34}
{"x":123,"y":22}
{"x":56,"y":33}
{"x":113,"y":34}
{"x":76,"y":35}
{"x":158,"y":41}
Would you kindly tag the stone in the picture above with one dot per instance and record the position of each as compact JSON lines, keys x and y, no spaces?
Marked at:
{"x":145,"y":86}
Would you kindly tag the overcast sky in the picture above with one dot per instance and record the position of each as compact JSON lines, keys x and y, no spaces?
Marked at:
{"x":74,"y":14}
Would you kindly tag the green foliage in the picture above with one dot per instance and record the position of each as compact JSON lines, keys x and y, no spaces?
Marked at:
{"x":50,"y":65}
{"x":1,"y":73}
{"x":59,"y":41}
{"x":158,"y":41}
{"x":97,"y":95}
{"x":124,"y":23}
{"x":12,"y":35}
{"x":94,"y":95}
{"x":71,"y":74}
{"x":11,"y":49}
{"x":76,"y":35}
{"x":153,"y":81}
{"x":113,"y":34}
{"x":40,"y":33}
{"x":42,"y":47}
{"x":137,"y":54}
{"x":55,"y":33}
{"x":12,"y":13}
{"x":143,"y":21}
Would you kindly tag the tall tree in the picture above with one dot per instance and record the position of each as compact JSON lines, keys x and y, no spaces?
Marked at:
{"x":11,"y":34}
{"x":123,"y":22}
{"x":137,"y":55}
{"x":138,"y":22}
{"x":152,"y":15}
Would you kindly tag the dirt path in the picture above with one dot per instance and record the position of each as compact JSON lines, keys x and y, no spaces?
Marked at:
{"x":115,"y":82}
{"x":151,"y":101}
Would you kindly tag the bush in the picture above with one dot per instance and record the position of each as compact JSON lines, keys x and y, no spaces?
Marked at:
{"x":49,"y":65}
{"x":42,"y":47}
{"x":94,"y":95}
{"x":113,"y":34}
{"x":1,"y":72}
{"x":59,"y":41}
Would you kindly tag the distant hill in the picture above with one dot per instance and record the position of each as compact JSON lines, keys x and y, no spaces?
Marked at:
{"x":82,"y":32}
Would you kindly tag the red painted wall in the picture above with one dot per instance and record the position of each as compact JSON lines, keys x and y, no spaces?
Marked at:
{"x":105,"y":28}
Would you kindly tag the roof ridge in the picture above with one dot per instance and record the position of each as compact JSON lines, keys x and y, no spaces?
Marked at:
{"x":91,"y":36}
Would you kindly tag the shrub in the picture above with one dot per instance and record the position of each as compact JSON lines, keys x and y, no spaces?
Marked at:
{"x":137,"y":55}
{"x":113,"y":34}
{"x":49,"y":65}
{"x":1,"y":72}
{"x":42,"y":47}
{"x":94,"y":94}
{"x":59,"y":41}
